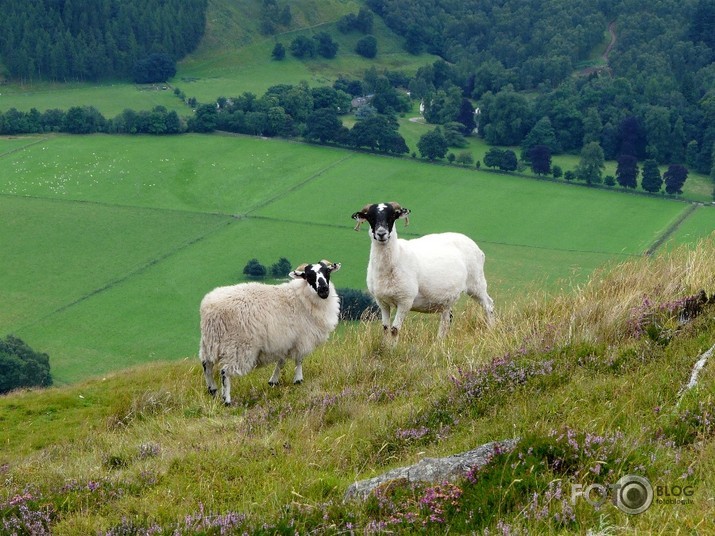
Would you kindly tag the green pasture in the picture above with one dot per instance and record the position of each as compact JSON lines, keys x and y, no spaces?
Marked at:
{"x":109,"y":242}
{"x":110,"y":99}
{"x":235,"y":57}
{"x":691,"y":229}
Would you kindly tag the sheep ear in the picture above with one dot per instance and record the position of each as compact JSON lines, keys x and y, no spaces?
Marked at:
{"x":298,"y":273}
{"x":331,"y":266}
{"x":404,"y":213}
{"x":360,"y":217}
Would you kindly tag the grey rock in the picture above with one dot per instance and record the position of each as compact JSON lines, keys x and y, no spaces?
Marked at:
{"x":447,"y":469}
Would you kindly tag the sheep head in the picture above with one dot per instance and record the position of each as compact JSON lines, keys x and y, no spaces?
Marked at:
{"x":317,"y":275}
{"x":382,"y":218}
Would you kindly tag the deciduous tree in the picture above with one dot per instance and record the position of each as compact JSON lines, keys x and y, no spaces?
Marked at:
{"x":591,"y":165}
{"x":675,"y":177}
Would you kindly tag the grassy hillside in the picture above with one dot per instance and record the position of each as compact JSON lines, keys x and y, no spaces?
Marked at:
{"x":234,"y":57}
{"x":110,"y":242}
{"x":588,"y":379}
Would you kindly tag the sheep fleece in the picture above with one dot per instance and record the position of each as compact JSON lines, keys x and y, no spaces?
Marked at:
{"x":250,"y":325}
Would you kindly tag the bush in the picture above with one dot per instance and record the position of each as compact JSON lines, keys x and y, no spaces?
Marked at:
{"x":354,"y":303}
{"x":367,"y":46}
{"x":21,"y":366}
{"x":254,"y":269}
{"x":281,"y":269}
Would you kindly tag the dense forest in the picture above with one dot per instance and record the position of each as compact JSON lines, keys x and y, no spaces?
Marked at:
{"x":537,"y":71}
{"x":517,"y":59}
{"x":64,"y":40}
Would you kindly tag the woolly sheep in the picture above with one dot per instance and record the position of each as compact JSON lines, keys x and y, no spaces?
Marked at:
{"x":426,"y":274}
{"x":252,"y":324}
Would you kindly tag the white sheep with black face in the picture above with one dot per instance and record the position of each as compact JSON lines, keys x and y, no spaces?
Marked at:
{"x":252,"y":324}
{"x":426,"y":274}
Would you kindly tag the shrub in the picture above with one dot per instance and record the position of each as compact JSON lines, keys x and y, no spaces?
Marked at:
{"x":254,"y":269}
{"x":21,"y":366}
{"x":367,"y":46}
{"x":355,"y":303}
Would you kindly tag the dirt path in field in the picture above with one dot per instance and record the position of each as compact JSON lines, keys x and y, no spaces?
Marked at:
{"x":692,"y":207}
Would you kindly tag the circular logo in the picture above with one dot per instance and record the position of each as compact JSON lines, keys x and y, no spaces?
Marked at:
{"x":634,"y":494}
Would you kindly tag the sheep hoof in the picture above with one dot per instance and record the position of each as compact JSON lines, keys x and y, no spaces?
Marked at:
{"x":272,"y":384}
{"x":297,"y":382}
{"x":227,"y":404}
{"x":212,"y":392}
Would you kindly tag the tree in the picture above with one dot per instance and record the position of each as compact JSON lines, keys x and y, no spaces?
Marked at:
{"x":557,"y":172}
{"x":493,"y":157}
{"x":326,"y":46}
{"x":21,"y":366}
{"x":279,"y":52}
{"x":433,"y":144}
{"x":281,"y":268}
{"x":651,"y":181}
{"x":465,"y":158}
{"x":627,"y":171}
{"x":378,"y":133}
{"x":466,"y":117}
{"x":367,"y":46}
{"x":591,"y":164}
{"x":509,"y":161}
{"x":541,"y":134}
{"x":302,"y":47}
{"x":83,"y":120}
{"x":323,"y":125}
{"x":540,"y":157}
{"x":364,"y":21}
{"x":631,"y":137}
{"x":675,"y":177}
{"x":254,"y":269}
{"x":155,"y":68}
{"x":505,"y":117}
{"x":204,"y":120}
{"x":453,"y":134}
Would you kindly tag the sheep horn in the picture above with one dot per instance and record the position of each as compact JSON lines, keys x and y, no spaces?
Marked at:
{"x":358,"y":224}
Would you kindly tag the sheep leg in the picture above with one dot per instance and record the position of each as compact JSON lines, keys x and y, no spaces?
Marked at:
{"x":385,"y":314}
{"x":445,"y":321}
{"x":209,"y":375}
{"x":225,"y":387}
{"x":480,"y":295}
{"x":298,"y":375}
{"x":276,"y":376}
{"x":400,"y":315}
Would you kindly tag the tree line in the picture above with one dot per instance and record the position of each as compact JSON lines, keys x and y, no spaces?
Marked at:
{"x":88,"y":40}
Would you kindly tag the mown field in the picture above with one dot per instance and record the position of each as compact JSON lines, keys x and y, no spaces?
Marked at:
{"x":110,"y":242}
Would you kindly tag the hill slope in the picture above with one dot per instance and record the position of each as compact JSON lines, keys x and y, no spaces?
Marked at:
{"x":589,"y":380}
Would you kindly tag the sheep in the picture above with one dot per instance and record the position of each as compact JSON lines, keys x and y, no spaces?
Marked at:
{"x":426,"y":274}
{"x":249,"y":325}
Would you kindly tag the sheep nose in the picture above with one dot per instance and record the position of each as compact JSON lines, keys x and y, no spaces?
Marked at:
{"x":381,"y":234}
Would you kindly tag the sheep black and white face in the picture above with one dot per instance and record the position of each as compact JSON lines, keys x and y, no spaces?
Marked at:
{"x":382,"y":218}
{"x":317,"y":275}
